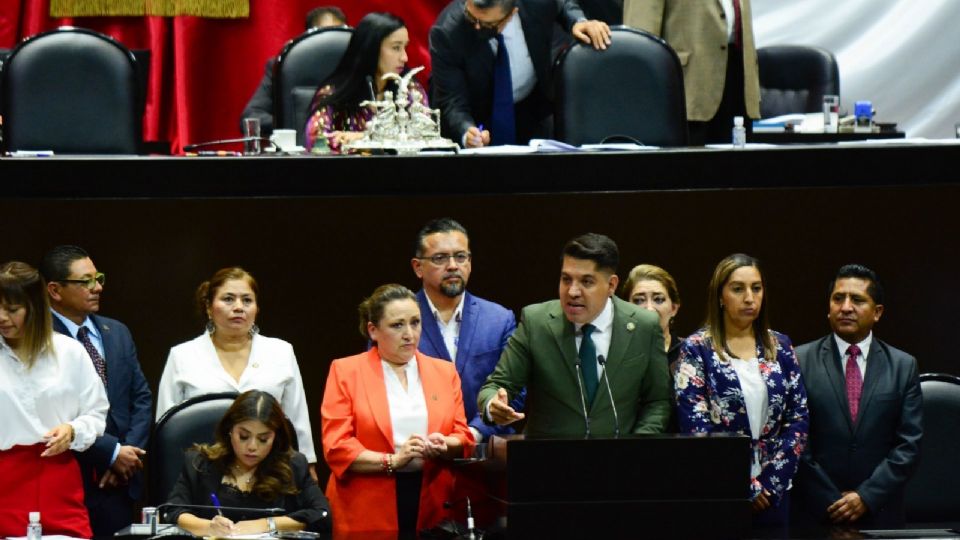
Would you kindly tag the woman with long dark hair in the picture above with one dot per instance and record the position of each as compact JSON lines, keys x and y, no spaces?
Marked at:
{"x":251,"y":465}
{"x":737,"y":375}
{"x":51,"y":401}
{"x":378,"y":47}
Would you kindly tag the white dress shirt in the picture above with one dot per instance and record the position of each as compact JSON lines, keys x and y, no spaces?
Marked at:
{"x":601,"y":335}
{"x":521,"y":65}
{"x":864,"y":345}
{"x":193,"y":368}
{"x":61,"y":387}
{"x":408,"y":408}
{"x":449,"y":330}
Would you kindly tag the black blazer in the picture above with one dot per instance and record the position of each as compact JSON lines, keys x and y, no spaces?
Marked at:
{"x":462,"y":62}
{"x":130,"y":416}
{"x":874,"y":457}
{"x":200,"y":477}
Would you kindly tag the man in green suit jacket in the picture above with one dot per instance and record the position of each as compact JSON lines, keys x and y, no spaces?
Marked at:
{"x":567,"y":392}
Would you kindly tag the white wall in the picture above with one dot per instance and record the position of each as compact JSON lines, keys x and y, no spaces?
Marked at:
{"x":903,"y":55}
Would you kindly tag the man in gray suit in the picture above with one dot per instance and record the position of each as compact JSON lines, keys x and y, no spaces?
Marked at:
{"x":865,"y":414}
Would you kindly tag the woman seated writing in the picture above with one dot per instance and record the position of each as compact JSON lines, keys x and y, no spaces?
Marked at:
{"x":251,"y":465}
{"x":378,"y":47}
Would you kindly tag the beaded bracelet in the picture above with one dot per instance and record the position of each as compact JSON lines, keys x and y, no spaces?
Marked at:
{"x":386,"y":463}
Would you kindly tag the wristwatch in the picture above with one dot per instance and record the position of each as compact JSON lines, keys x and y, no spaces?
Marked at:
{"x":271,"y":525}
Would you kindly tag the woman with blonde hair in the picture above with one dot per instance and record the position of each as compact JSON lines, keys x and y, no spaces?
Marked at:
{"x":654,"y":289}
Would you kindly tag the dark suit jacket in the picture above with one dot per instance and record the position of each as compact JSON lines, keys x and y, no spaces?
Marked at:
{"x":874,"y":457}
{"x":200,"y":477}
{"x":261,"y":102}
{"x":542,"y":356}
{"x":129,"y":419}
{"x":462,"y":63}
{"x":484,"y":330}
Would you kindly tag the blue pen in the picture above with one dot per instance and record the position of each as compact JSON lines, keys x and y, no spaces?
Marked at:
{"x":216,"y":502}
{"x":480,"y":127}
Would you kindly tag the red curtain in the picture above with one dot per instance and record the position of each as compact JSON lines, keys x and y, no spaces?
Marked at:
{"x":203,"y":71}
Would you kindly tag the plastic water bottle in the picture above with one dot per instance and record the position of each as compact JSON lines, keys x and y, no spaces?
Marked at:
{"x":739,"y":133}
{"x":34,"y":529}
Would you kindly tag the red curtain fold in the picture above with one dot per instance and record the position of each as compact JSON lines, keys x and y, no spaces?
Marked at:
{"x":203,"y":71}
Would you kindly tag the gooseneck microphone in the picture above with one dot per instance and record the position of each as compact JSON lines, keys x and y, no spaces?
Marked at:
{"x":616,"y":419}
{"x":583,"y":402}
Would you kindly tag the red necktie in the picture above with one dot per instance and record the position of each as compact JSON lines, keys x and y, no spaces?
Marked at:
{"x":737,"y":25}
{"x":98,"y":362}
{"x":854,"y":381}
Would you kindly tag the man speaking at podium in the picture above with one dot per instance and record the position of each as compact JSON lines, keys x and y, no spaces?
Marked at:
{"x":593,"y":364}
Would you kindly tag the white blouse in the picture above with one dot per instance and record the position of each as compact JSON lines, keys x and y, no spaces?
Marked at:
{"x":193,"y":368}
{"x":408,"y":408}
{"x":754,"y":390}
{"x":61,"y":387}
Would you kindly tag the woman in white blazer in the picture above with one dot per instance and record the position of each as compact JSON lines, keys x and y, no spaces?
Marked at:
{"x":232,"y":356}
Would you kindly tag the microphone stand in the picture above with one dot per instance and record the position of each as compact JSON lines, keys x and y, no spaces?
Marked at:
{"x":583,"y":402}
{"x":616,"y":419}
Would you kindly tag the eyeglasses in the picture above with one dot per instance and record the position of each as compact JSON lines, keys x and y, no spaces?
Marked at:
{"x":440,"y":259}
{"x":89,"y":283}
{"x":484,"y":25}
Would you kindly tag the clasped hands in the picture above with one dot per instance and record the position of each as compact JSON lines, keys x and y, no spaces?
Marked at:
{"x":847,"y":509}
{"x":432,"y":446}
{"x":128,"y":462}
{"x":500,"y":410}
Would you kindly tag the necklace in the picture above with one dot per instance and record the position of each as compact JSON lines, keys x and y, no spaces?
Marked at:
{"x":238,"y":475}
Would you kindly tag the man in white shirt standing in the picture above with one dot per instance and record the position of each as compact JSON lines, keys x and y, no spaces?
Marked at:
{"x":865,"y":415}
{"x":458,"y":326}
{"x":111,"y":467}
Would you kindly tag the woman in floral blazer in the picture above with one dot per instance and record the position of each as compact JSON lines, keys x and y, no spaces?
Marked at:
{"x":737,"y":375}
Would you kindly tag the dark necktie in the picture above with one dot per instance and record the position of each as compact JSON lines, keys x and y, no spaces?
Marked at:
{"x":503,"y":128}
{"x":98,"y":362}
{"x":854,"y":381}
{"x":737,"y":25}
{"x":588,"y":362}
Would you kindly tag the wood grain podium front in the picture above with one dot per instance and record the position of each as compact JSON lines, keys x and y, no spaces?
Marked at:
{"x":657,"y":486}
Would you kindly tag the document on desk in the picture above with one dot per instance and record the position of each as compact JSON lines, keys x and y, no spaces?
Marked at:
{"x":549,"y":146}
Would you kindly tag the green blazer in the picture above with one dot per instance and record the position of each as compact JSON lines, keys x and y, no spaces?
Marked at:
{"x":542,"y":355}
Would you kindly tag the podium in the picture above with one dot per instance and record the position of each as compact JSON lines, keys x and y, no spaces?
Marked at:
{"x":662,"y":486}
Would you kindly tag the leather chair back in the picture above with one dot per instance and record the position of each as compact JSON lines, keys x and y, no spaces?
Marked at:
{"x":73,"y":91}
{"x":633,"y":89}
{"x":304,"y":63}
{"x":794,"y":79}
{"x":932,"y":494}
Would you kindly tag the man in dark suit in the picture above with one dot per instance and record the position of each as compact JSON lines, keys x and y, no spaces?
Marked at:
{"x":111,"y":467}
{"x":457,"y":325}
{"x":261,"y":102}
{"x":865,"y":414}
{"x":491,"y":63}
{"x":562,"y":348}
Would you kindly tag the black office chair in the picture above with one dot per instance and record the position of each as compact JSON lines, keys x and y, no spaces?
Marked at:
{"x":73,"y":91}
{"x":634,"y":90}
{"x":794,"y":79}
{"x":932,"y":494}
{"x":304,"y":63}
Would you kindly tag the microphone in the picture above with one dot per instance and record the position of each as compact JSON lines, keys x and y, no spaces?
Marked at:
{"x":616,"y":419}
{"x":258,"y":511}
{"x":471,"y":530}
{"x":373,"y":95}
{"x":583,"y":402}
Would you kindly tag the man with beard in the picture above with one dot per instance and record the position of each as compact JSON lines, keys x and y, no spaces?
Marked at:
{"x":458,"y":326}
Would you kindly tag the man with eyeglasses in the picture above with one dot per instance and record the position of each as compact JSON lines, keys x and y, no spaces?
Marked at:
{"x":458,"y":326}
{"x":491,"y":62}
{"x":111,"y":467}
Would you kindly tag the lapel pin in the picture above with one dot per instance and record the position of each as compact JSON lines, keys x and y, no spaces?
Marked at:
{"x":630,"y":326}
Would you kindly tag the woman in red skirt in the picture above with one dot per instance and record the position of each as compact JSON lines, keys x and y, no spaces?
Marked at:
{"x":52,"y":401}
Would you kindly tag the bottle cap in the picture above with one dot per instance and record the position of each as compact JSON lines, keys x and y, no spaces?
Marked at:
{"x":738,"y":121}
{"x":34,"y":517}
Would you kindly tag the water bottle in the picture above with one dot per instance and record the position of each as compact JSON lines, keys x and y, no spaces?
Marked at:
{"x":34,"y":529}
{"x":739,"y":133}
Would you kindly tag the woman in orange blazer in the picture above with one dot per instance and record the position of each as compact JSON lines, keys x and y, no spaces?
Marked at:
{"x":392,"y":419}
